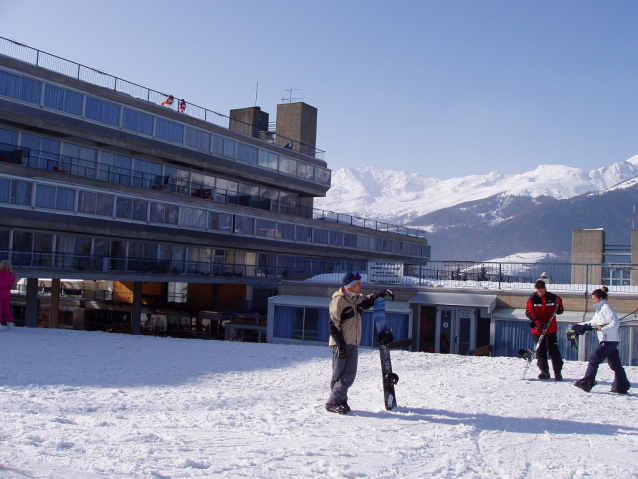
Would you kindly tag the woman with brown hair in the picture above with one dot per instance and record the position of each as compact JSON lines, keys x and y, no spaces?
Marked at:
{"x":606,"y":323}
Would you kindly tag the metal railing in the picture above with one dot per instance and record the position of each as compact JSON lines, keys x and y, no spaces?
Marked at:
{"x":114,"y":174}
{"x":75,"y":70}
{"x":449,"y":274}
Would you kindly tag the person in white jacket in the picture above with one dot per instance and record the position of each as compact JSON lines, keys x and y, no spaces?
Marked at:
{"x":606,"y":323}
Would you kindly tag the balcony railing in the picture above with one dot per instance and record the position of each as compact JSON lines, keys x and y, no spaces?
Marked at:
{"x":471,"y":275}
{"x":114,"y":174}
{"x":19,"y":51}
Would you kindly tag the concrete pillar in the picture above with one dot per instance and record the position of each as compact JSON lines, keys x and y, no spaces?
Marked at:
{"x":588,"y":247}
{"x":31,"y":305}
{"x":55,"y":303}
{"x":136,"y":315}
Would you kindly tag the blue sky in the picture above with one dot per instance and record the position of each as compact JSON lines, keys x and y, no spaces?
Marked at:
{"x":442,"y":88}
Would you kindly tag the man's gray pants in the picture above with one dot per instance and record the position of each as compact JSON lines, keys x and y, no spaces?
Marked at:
{"x":343,"y":373}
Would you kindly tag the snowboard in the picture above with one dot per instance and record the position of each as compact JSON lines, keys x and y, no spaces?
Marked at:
{"x":384,"y":334}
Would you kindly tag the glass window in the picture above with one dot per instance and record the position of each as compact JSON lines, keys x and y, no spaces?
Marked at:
{"x":8,"y":137}
{"x":177,"y":133}
{"x":9,"y":84}
{"x":220,"y":221}
{"x":244,"y":225}
{"x":132,"y":209}
{"x":302,"y":233}
{"x":115,"y":168}
{"x":288,"y":322}
{"x":164,"y":213}
{"x":30,"y":90}
{"x":193,"y":217}
{"x":265,"y":228}
{"x":322,"y":175}
{"x":145,"y":124}
{"x":65,"y":199}
{"x":45,"y":196}
{"x":285,"y":231}
{"x":20,"y":193}
{"x":111,"y":114}
{"x":162,"y":128}
{"x":73,"y":102}
{"x":247,"y":153}
{"x":95,"y":203}
{"x":5,"y":187}
{"x":350,"y":240}
{"x":268,"y":159}
{"x":197,"y":139}
{"x":305,"y":171}
{"x":319,"y":236}
{"x":217,"y":145}
{"x":129,"y":119}
{"x":229,"y":148}
{"x":335,"y":238}
{"x":94,"y":108}
{"x":287,"y":166}
{"x":146,"y":174}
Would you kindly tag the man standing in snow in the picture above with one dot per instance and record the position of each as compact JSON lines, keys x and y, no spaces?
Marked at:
{"x":540,"y":311}
{"x":345,"y":336}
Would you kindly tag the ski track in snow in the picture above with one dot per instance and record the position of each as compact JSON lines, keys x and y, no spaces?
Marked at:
{"x":81,"y":404}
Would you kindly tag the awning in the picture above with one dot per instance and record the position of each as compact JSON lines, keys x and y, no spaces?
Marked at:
{"x":510,"y":314}
{"x":456,"y":299}
{"x":323,"y":302}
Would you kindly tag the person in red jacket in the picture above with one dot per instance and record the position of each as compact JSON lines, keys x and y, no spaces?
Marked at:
{"x":540,"y":311}
{"x":7,"y":280}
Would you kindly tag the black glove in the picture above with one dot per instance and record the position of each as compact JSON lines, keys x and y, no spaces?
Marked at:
{"x":582,"y":328}
{"x":386,"y":337}
{"x":382,"y":293}
{"x":343,"y":352}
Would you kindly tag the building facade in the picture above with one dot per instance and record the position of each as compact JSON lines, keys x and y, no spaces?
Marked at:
{"x":102,"y":179}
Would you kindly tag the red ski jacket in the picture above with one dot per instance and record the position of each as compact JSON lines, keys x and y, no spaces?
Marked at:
{"x":540,"y":309}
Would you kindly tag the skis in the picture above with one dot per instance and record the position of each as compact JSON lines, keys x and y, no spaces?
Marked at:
{"x":385,"y":337}
{"x":528,"y":354}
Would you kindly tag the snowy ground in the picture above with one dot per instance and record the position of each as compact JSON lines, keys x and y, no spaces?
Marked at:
{"x":81,"y":404}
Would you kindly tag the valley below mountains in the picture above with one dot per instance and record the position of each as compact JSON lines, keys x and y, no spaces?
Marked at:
{"x":483,"y":217}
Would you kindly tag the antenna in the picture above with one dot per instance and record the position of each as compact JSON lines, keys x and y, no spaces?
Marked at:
{"x":290,"y":99}
{"x":633,"y":219}
{"x":256,"y":92}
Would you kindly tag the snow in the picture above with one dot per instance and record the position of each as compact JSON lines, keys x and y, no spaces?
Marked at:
{"x":397,"y":196}
{"x":78,"y":404}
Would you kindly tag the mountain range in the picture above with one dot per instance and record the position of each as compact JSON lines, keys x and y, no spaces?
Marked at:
{"x":483,"y":217}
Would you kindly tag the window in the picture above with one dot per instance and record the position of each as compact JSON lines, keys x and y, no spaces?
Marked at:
{"x":5,"y":187}
{"x":30,"y":90}
{"x":288,"y":166}
{"x":268,"y":159}
{"x":197,"y":139}
{"x":169,"y":130}
{"x":229,"y":148}
{"x":244,"y":225}
{"x":137,"y":121}
{"x":95,"y":203}
{"x":43,"y":152}
{"x":302,"y":233}
{"x":102,"y":111}
{"x":115,"y":168}
{"x":9,"y":84}
{"x":20,"y":193}
{"x":193,"y":217}
{"x":322,"y":175}
{"x":288,"y":322}
{"x":265,"y":228}
{"x":320,"y":235}
{"x":350,"y":240}
{"x":146,"y":174}
{"x":220,"y":221}
{"x":286,"y":231}
{"x":52,"y":197}
{"x":247,"y":153}
{"x":218,"y":145}
{"x":306,"y":171}
{"x":336,"y":238}
{"x":9,"y":137}
{"x":226,"y":191}
{"x":63,"y":100}
{"x":19,"y":87}
{"x":131,"y":209}
{"x":79,"y":160}
{"x":164,"y":213}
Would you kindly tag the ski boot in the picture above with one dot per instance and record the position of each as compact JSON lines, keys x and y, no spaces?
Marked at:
{"x":585,"y":384}
{"x":338,"y":408}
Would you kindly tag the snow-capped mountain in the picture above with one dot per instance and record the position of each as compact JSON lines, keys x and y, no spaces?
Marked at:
{"x":483,"y":217}
{"x":399,"y":197}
